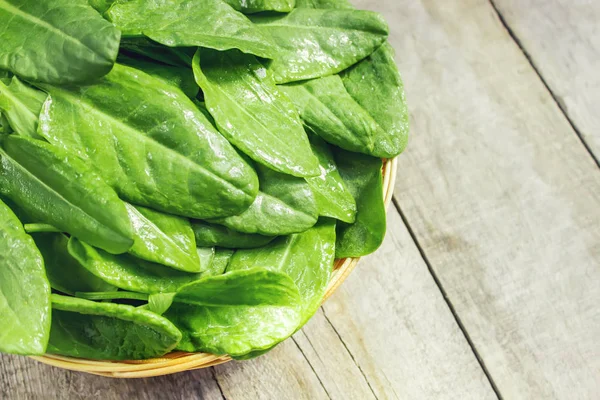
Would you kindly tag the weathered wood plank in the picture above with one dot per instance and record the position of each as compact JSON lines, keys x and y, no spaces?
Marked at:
{"x":563,"y":40}
{"x":502,"y":197}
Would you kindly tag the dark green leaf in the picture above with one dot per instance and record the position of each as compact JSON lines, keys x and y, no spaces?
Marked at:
{"x":316,"y":43}
{"x":333,"y":197}
{"x":252,"y":113}
{"x":108,"y":331}
{"x":58,"y":188}
{"x":164,"y":239}
{"x":58,"y":41}
{"x":127,"y":272}
{"x":174,"y":56}
{"x":254,"y":6}
{"x":64,"y":272}
{"x":284,"y":205}
{"x":208,"y":235}
{"x":184,"y":23}
{"x":153,"y":145}
{"x":362,"y":175}
{"x":340,"y":4}
{"x":376,"y":85}
{"x":24,"y":290}
{"x":306,"y":257}
{"x":101,"y":5}
{"x":21,"y":104}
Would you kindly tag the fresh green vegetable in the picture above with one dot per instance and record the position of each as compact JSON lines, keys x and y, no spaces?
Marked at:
{"x":376,"y":85}
{"x":333,"y":197}
{"x":182,"y":23}
{"x":315,"y":43}
{"x":306,"y":257}
{"x":153,"y":146}
{"x":128,"y":273}
{"x":159,"y":303}
{"x":58,"y":41}
{"x":144,"y":47}
{"x":362,"y":175}
{"x":164,"y":239}
{"x":63,"y":271}
{"x":120,"y":295}
{"x":58,"y":188}
{"x":341,"y":4}
{"x":24,"y":290}
{"x":220,"y":261}
{"x":21,"y":105}
{"x":252,"y":113}
{"x":208,"y":234}
{"x":284,"y":205}
{"x":253,"y":6}
{"x":107,"y":331}
{"x":37,"y":228}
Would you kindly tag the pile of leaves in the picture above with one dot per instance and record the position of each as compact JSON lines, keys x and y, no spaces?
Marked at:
{"x":181,"y":174}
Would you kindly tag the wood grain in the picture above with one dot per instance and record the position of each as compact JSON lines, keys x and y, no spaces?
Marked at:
{"x":562,"y":38}
{"x":502,"y":197}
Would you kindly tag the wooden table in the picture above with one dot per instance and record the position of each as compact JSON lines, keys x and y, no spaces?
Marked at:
{"x":488,"y":283}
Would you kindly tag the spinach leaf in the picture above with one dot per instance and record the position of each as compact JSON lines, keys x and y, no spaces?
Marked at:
{"x":21,"y":105}
{"x":333,"y":197}
{"x":114,"y":295}
{"x":284,"y":205}
{"x":108,"y":331}
{"x":316,"y":43}
{"x":163,"y":239}
{"x":58,"y":188}
{"x":64,"y":272}
{"x":5,"y":128}
{"x":24,"y":290}
{"x":376,"y":85}
{"x":253,"y":6}
{"x":185,"y":23}
{"x":58,"y":41}
{"x":101,"y":5}
{"x":127,"y":272}
{"x":326,"y":107}
{"x":174,"y":56}
{"x":220,"y":261}
{"x":252,"y":113}
{"x":208,"y":235}
{"x":244,"y":311}
{"x":153,"y":145}
{"x":181,"y":77}
{"x":306,"y":257}
{"x":159,"y":303}
{"x":341,"y":4}
{"x":362,"y":175}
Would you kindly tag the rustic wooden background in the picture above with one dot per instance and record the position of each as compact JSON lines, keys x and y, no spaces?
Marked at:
{"x":488,"y":284}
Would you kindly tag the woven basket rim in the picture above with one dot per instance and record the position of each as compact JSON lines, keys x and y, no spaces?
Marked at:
{"x":177,"y":361}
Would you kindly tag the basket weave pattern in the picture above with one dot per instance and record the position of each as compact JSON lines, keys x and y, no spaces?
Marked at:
{"x":180,"y":361}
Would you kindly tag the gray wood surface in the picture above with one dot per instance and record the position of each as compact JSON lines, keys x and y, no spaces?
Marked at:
{"x":562,"y":38}
{"x":500,"y":254}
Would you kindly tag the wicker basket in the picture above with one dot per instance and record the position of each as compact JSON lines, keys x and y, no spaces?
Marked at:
{"x":180,"y":361}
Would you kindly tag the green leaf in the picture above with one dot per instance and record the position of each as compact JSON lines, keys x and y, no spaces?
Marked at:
{"x":208,"y":235}
{"x":58,"y":41}
{"x":58,"y":188}
{"x":317,"y":43}
{"x":64,"y":272}
{"x":159,"y":303}
{"x":252,"y":113}
{"x":259,"y":309}
{"x":153,"y":145}
{"x":24,"y":290}
{"x":128,"y":273}
{"x":284,"y":205}
{"x":37,"y":228}
{"x":108,"y":331}
{"x":376,"y":85}
{"x":220,"y":261}
{"x":163,"y":239}
{"x":181,"y":77}
{"x":101,"y":5}
{"x":206,"y":256}
{"x":306,"y":257}
{"x":174,"y":56}
{"x":21,"y":104}
{"x":362,"y":175}
{"x":333,"y":197}
{"x":325,"y":4}
{"x":326,"y":107}
{"x":120,"y":295}
{"x":254,"y":6}
{"x":190,"y":23}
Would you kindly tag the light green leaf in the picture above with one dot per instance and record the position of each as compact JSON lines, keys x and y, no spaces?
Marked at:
{"x":252,"y":113}
{"x":208,"y":235}
{"x":325,"y":4}
{"x":316,"y":43}
{"x":68,"y":193}
{"x":58,"y":41}
{"x":190,"y":23}
{"x":254,"y":6}
{"x":159,"y":303}
{"x":24,"y":290}
{"x":153,"y":146}
{"x":21,"y":104}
